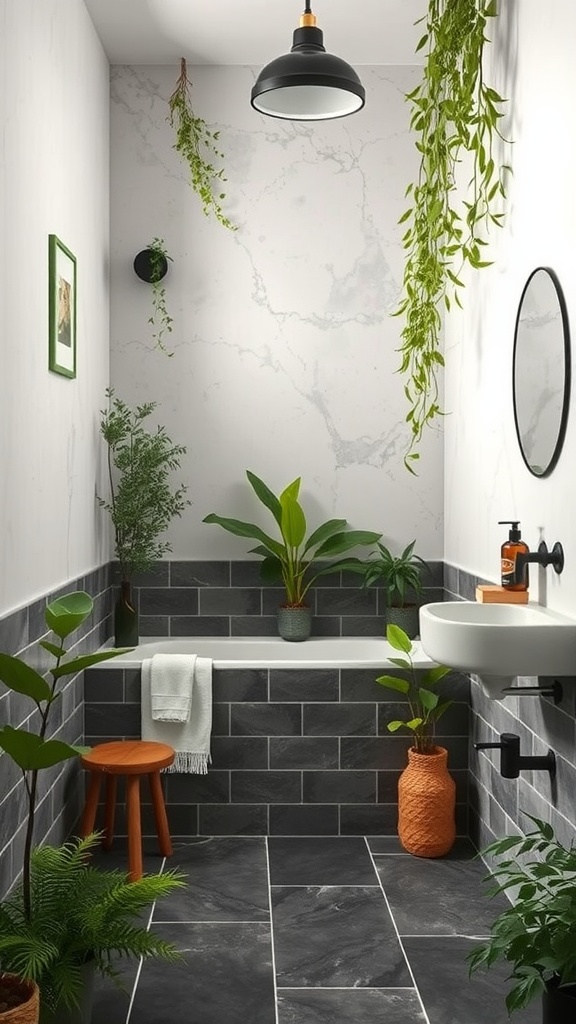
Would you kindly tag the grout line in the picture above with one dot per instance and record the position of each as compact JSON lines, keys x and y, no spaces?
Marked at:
{"x":320,"y":885}
{"x":408,"y":964}
{"x":139,"y":970}
{"x":346,"y":988}
{"x":160,"y":920}
{"x":447,"y":935}
{"x":271,"y":933}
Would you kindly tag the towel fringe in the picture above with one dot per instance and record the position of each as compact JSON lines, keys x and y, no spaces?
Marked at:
{"x":188,"y":762}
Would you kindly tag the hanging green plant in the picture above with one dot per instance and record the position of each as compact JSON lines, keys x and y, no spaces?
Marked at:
{"x":454,"y":112}
{"x":161,"y":320}
{"x":193,"y":139}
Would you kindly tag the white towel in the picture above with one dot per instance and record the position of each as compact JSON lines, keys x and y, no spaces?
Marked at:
{"x":171,"y":681}
{"x":191,"y":739}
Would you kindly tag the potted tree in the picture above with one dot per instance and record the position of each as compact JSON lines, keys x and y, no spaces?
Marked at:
{"x":294,"y":559}
{"x":401,"y":578}
{"x":65,"y":918}
{"x":142,"y":502}
{"x":426,"y":790}
{"x":535,"y":935}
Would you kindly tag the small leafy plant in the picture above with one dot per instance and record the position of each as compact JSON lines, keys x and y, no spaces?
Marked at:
{"x":424,"y":706}
{"x":193,"y":140}
{"x":455,"y":113}
{"x":160,"y":320}
{"x":536,"y":934}
{"x":142,"y":503}
{"x":293,"y":558}
{"x":399,"y":575}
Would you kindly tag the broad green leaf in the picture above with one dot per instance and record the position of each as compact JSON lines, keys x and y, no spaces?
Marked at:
{"x":87,"y":660}
{"x":293,"y":523}
{"x":428,"y":699}
{"x":271,"y":571}
{"x":30,"y":752}
{"x":393,"y":683}
{"x":265,"y":495}
{"x":67,"y":613}
{"x":342,"y":565}
{"x":401,"y":663}
{"x":242,"y":529}
{"x":414,"y":723}
{"x":398,"y":639}
{"x":20,"y":677}
{"x":340,"y":542}
{"x":322,"y":533}
{"x":434,"y":675}
{"x":292,"y":489}
{"x":394,"y":726}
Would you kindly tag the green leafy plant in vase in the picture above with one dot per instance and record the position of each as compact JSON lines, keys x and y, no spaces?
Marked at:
{"x":292,"y":558}
{"x":142,"y":502}
{"x":534,"y":936}
{"x":64,"y":914}
{"x":426,"y":790}
{"x":401,"y":578}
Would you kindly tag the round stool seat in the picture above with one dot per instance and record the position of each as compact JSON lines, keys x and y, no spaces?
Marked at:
{"x":129,"y":757}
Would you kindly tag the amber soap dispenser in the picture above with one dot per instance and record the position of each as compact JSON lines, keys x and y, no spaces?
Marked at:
{"x":509,"y":552}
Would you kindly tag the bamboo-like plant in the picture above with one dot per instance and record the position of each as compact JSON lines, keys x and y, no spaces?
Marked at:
{"x":196,"y":144}
{"x":455,"y":115}
{"x":142,"y":502}
{"x":294,"y":559}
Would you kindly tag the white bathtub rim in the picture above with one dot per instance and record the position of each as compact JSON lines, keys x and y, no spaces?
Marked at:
{"x":275,"y":653}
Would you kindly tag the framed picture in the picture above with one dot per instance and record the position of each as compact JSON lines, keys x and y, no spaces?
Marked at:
{"x":61,"y":308}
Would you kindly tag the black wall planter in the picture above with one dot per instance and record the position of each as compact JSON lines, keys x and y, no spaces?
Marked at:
{"x":150,"y":266}
{"x":559,"y":1005}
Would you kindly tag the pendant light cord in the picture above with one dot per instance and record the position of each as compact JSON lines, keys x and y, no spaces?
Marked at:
{"x":308,"y":7}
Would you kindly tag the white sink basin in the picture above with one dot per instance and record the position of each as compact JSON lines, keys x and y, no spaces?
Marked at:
{"x":503,"y":640}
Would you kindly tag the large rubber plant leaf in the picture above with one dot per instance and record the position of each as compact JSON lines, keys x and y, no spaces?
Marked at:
{"x":293,"y":524}
{"x":341,"y":542}
{"x":242,"y":529}
{"x":30,"y":752}
{"x":324,"y":532}
{"x":65,"y":614}
{"x":87,"y":660}
{"x":20,"y":677}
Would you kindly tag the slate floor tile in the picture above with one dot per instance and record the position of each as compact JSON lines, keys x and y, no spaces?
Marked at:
{"x":450,"y":996}
{"x":335,"y":936}
{"x":227,"y":880}
{"x":341,"y":1006}
{"x":336,"y":860}
{"x":226,"y":976}
{"x":463,"y":849}
{"x":439,"y":897}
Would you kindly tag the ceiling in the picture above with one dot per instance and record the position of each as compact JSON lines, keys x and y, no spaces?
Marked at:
{"x":253,"y":31}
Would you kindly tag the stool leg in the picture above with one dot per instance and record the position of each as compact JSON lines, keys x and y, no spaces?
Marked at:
{"x":108,"y":837}
{"x":162,"y":829}
{"x":91,"y":806}
{"x":134,"y":827}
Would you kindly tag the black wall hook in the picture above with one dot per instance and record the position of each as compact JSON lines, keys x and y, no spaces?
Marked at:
{"x":512,"y":762}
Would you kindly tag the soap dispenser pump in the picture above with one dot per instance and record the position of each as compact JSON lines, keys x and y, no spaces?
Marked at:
{"x":508,"y":553}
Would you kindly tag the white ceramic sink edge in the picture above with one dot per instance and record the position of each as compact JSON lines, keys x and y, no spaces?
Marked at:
{"x":499,"y":639}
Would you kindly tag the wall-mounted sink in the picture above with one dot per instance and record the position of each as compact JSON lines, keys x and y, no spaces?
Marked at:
{"x":499,"y":641}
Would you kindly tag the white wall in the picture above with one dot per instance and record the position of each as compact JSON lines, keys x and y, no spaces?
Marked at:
{"x":532,"y":63}
{"x":54,"y":178}
{"x":284,"y":348}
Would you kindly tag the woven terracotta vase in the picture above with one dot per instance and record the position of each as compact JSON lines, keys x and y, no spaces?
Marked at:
{"x":27,"y":1011}
{"x":426,"y":804}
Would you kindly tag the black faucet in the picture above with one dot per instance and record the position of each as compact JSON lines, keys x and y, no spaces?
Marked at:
{"x":512,"y":762}
{"x":542,"y":557}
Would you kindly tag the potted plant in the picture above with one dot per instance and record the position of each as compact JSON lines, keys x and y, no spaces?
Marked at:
{"x":49,"y":929}
{"x":151,"y":266}
{"x":401,"y":578}
{"x":426,"y":790}
{"x":142,"y":502}
{"x":294,"y":559}
{"x":535,"y":935}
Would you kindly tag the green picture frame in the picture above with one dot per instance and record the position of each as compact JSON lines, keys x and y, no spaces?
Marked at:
{"x":61,"y":308}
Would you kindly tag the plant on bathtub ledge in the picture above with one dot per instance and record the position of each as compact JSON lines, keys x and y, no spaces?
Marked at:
{"x":294,"y":559}
{"x":426,"y":790}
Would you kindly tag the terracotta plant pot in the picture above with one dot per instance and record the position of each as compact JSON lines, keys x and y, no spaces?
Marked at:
{"x":426,"y":804}
{"x":294,"y":622}
{"x":26,"y":1010}
{"x":559,"y":1005}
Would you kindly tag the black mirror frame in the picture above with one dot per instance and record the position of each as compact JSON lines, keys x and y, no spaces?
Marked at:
{"x":567,"y":373}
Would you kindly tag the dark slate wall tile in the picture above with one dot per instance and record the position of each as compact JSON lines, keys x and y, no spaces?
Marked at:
{"x":239,"y":752}
{"x":246,"y":574}
{"x":225,"y":601}
{"x":255,"y":625}
{"x":240,"y":684}
{"x":294,"y":820}
{"x":266,"y":787}
{"x":339,"y":787}
{"x":199,"y":574}
{"x":113,"y":720}
{"x":153,"y":625}
{"x":168,"y":601}
{"x":346,"y":602}
{"x":358,"y":820}
{"x":212,"y":788}
{"x":199,"y":625}
{"x":326,"y":625}
{"x":104,"y":685}
{"x":220,"y":719}
{"x":303,"y":684}
{"x":265,"y":719}
{"x":339,"y":720}
{"x":303,"y":752}
{"x":362,"y":625}
{"x":14,"y":632}
{"x":233,"y":819}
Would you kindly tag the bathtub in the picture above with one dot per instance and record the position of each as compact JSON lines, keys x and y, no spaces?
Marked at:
{"x":272,"y":652}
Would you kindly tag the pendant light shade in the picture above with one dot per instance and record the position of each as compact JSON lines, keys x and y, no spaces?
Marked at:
{"x":308,"y":84}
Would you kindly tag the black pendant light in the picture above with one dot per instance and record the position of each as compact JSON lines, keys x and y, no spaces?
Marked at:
{"x":308,"y":84}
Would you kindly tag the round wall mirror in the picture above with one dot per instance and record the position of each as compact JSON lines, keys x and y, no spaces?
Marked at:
{"x":541,"y":371}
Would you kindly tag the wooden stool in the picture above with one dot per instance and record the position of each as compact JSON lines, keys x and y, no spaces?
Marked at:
{"x":131,"y":758}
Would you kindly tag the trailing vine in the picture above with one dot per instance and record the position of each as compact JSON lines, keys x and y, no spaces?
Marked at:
{"x":454,"y":112}
{"x":160,"y":319}
{"x":193,"y":138}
